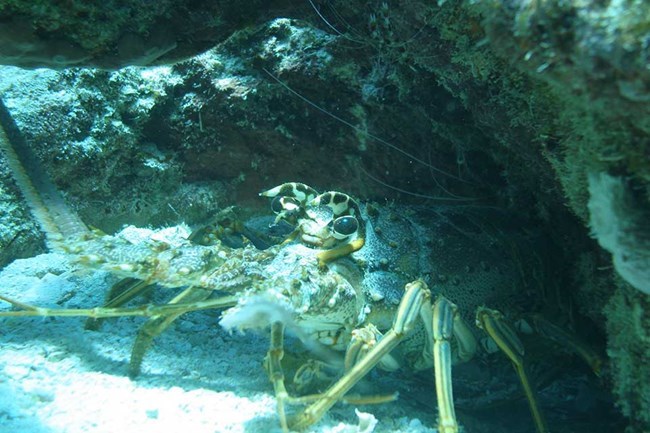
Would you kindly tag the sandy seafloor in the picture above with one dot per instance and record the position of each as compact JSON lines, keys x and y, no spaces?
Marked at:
{"x":57,"y":377}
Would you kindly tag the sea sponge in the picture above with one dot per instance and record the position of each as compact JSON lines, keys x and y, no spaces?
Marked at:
{"x":620,"y":220}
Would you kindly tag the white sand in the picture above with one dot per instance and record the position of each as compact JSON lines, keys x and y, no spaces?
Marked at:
{"x":56,"y":377}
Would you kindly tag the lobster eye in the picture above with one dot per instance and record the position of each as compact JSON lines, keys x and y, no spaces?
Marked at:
{"x":284,"y":204}
{"x":345,"y":226}
{"x":276,"y":204}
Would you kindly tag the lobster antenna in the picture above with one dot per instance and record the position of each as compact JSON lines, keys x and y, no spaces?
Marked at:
{"x":361,"y":131}
{"x":55,"y":218}
{"x":415,"y":194}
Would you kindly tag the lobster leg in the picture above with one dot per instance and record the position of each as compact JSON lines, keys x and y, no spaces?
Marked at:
{"x":415,"y":296}
{"x":503,"y":334}
{"x":447,"y":324}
